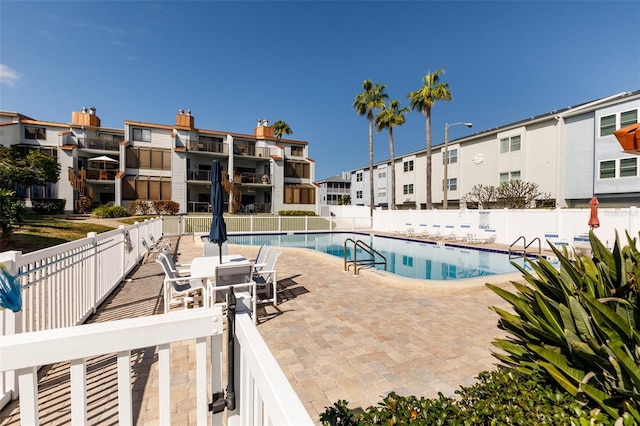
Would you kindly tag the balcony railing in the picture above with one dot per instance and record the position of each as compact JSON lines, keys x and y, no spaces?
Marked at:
{"x":205,"y":207}
{"x":258,"y":178}
{"x":208,"y":146}
{"x":105,"y":144}
{"x":251,"y":151}
{"x":101,"y":174}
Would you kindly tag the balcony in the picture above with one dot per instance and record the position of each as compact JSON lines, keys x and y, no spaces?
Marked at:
{"x":208,"y":146}
{"x":102,"y":143}
{"x":100,"y":174}
{"x":252,"y":178}
{"x":251,"y":151}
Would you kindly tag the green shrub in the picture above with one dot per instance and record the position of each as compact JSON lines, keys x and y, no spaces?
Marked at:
{"x":579,"y":325}
{"x":105,"y":212}
{"x":48,"y":205}
{"x":501,"y":397}
{"x":296,"y":213}
{"x":158,"y":207}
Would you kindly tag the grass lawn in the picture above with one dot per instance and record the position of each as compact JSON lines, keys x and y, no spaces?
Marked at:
{"x":40,"y":232}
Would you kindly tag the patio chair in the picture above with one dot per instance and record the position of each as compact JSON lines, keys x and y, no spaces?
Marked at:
{"x":434,"y":232}
{"x":449,"y":233}
{"x":553,"y":238}
{"x":266,"y":279}
{"x":230,"y":275}
{"x":259,"y":262}
{"x":152,"y":251}
{"x":422,"y":230}
{"x":184,"y":267}
{"x":581,"y":245}
{"x":161,"y":242}
{"x":180,"y":289}
{"x":488,"y":236}
{"x":463,"y":233}
{"x":212,"y":249}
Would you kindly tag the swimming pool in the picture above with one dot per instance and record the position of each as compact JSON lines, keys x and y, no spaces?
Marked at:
{"x":412,"y":259}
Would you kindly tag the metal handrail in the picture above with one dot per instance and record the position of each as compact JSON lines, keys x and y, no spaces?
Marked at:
{"x":513,"y":253}
{"x":366,"y":247}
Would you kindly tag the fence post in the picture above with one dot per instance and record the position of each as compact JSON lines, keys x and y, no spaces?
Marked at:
{"x":306,"y":224}
{"x":124,"y":251}
{"x":11,"y":323}
{"x":93,"y":265}
{"x":279,"y":223}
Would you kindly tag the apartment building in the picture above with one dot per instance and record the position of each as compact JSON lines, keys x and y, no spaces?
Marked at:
{"x":571,"y":153}
{"x":151,"y":161}
{"x":334,"y":188}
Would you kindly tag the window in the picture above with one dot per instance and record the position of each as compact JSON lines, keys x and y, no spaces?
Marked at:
{"x":510,"y":144}
{"x":297,"y":169}
{"x":382,"y":173}
{"x":142,"y":135}
{"x":453,"y":156}
{"x":146,"y":188}
{"x":148,"y":158}
{"x":408,"y":165}
{"x":608,"y":169}
{"x":382,"y":193}
{"x":507,"y":176}
{"x":359,"y":177}
{"x":358,"y":194}
{"x":407,"y":189}
{"x":35,"y":133}
{"x":296,"y":151}
{"x":607,"y":125}
{"x":628,"y":167}
{"x":299,"y":194}
{"x":628,"y":118}
{"x":452,"y":184}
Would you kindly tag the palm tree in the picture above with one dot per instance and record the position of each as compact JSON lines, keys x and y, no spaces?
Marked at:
{"x":423,"y":100}
{"x":388,"y":118}
{"x":371,"y":98}
{"x":281,"y":128}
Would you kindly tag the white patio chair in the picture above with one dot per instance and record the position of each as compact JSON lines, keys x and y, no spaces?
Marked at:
{"x":230,"y":275}
{"x":487,"y":236}
{"x":178,"y":268}
{"x":449,"y":232}
{"x":259,"y":262}
{"x":463,"y":233}
{"x":152,"y":251}
{"x":581,"y":245}
{"x":266,"y":279}
{"x":422,"y":230}
{"x":160,"y":242}
{"x":553,"y":238}
{"x":434,"y":232}
{"x":180,"y":289}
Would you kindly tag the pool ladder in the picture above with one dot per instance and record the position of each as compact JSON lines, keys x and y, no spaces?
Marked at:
{"x":364,"y":262}
{"x":518,"y":253}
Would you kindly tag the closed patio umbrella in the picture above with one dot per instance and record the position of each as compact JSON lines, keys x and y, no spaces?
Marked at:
{"x":594,"y":222}
{"x":218,"y":231}
{"x":629,"y":138}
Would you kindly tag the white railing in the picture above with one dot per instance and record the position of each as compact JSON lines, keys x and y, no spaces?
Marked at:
{"x":195,"y":224}
{"x":80,"y":345}
{"x":62,"y":286}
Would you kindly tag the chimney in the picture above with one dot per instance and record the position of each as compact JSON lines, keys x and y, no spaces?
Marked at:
{"x":185,"y":120}
{"x":263,"y":130}
{"x":86,"y":117}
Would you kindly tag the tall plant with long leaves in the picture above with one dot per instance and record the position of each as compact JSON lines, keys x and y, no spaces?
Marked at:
{"x":370,"y":99}
{"x":423,"y":100}
{"x":281,"y":128}
{"x":580,"y":325}
{"x":388,"y":118}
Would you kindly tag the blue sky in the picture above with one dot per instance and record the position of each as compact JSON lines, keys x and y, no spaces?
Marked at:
{"x":303,"y":62}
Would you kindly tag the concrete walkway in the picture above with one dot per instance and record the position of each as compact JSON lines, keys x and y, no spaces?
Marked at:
{"x":335,"y":335}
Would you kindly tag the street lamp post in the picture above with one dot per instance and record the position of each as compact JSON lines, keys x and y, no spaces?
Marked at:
{"x":446,"y":160}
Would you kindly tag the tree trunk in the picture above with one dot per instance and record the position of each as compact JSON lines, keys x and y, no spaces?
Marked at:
{"x":427,"y":112}
{"x":393,"y":171}
{"x":370,"y":165}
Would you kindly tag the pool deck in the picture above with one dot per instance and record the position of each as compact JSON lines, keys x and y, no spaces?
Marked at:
{"x":335,"y":335}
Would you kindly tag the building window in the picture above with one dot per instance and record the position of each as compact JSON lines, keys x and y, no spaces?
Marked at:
{"x":508,"y":176}
{"x":296,"y":151}
{"x":453,"y":184}
{"x":146,"y":188}
{"x":510,"y":144}
{"x":407,"y":189}
{"x":148,"y":158}
{"x":35,"y":133}
{"x":628,"y":118}
{"x":299,"y":194}
{"x":453,"y":156}
{"x":358,"y":194}
{"x":408,"y":165}
{"x":608,"y":169}
{"x":628,"y":167}
{"x":297,"y":169}
{"x":142,"y":135}
{"x":382,"y":193}
{"x":382,"y":173}
{"x":607,"y":125}
{"x":359,"y":177}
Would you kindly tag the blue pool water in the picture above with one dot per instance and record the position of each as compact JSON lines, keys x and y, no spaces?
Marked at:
{"x":411,"y":259}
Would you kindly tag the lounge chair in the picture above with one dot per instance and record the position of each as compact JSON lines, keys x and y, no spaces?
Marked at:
{"x":160,"y":242}
{"x":152,"y":251}
{"x":449,"y":233}
{"x":582,"y":245}
{"x":409,"y":232}
{"x":463,"y":233}
{"x":267,"y":280}
{"x":422,"y":230}
{"x":180,"y":289}
{"x":487,"y":236}
{"x":434,"y":232}
{"x":554,"y":239}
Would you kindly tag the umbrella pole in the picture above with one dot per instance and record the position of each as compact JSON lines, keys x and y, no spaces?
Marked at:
{"x":220,"y":251}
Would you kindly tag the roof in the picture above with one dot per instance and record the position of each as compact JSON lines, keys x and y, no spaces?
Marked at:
{"x":337,"y":178}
